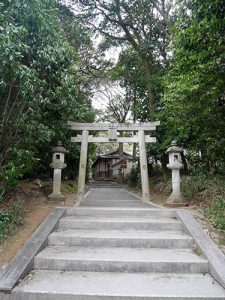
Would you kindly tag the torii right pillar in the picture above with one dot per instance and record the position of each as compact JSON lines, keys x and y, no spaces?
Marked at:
{"x":143,"y":166}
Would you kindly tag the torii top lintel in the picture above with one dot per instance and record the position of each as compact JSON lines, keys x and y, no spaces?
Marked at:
{"x":118,"y":126}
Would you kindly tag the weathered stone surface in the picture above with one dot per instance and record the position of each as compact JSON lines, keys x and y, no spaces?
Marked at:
{"x":57,"y":285}
{"x":206,"y":245}
{"x":56,"y":197}
{"x":4,"y":296}
{"x":58,"y":158}
{"x":120,"y":223}
{"x":125,"y":238}
{"x":101,"y":139}
{"x":83,"y":165}
{"x":143,"y":166}
{"x":118,"y":126}
{"x":119,"y":259}
{"x":106,"y":194}
{"x":175,"y":164}
{"x":122,"y":212}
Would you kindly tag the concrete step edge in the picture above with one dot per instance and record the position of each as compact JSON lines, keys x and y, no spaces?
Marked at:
{"x":121,"y":211}
{"x":121,"y":266}
{"x":129,"y":225}
{"x":58,"y":285}
{"x":78,"y":239}
{"x":105,"y":259}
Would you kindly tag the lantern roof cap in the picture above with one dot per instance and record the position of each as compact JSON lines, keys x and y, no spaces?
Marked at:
{"x":174,"y":148}
{"x":59,"y":148}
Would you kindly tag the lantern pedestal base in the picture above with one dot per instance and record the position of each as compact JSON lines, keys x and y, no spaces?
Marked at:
{"x":176,"y":205}
{"x":56,"y":197}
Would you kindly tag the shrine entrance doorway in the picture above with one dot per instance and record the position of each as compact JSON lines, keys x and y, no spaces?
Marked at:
{"x":112,"y":128}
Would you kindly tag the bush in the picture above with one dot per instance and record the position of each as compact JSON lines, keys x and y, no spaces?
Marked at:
{"x":10,"y":218}
{"x":69,"y":187}
{"x":191,"y":185}
{"x":133,"y":177}
{"x":217,"y":213}
{"x":9,"y":176}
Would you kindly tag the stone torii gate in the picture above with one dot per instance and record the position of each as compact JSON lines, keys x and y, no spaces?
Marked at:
{"x":112,"y":137}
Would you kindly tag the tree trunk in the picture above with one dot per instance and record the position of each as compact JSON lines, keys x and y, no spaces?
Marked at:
{"x":134,"y":120}
{"x":149,"y":83}
{"x":184,"y":161}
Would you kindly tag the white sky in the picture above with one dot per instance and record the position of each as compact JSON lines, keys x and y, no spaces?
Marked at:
{"x":105,"y":91}
{"x":100,"y":98}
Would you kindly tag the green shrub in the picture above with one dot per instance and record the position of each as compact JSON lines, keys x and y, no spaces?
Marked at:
{"x":10,"y":218}
{"x":133,"y":177}
{"x":69,"y":187}
{"x":191,"y":185}
{"x":217,"y":213}
{"x":22,"y":162}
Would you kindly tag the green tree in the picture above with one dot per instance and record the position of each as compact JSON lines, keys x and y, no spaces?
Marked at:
{"x":41,"y":84}
{"x":141,"y":24}
{"x":194,"y":103}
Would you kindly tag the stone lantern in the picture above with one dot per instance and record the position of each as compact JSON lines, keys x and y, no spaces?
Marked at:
{"x":58,"y":158}
{"x":175,"y":164}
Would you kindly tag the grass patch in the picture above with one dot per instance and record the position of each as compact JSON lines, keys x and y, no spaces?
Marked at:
{"x":10,"y":218}
{"x":210,"y":191}
{"x":217,"y":213}
{"x":69,"y":187}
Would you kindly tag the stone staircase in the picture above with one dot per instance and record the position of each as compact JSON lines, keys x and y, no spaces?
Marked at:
{"x":119,"y":253}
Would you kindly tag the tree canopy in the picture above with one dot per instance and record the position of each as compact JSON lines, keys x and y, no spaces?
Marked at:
{"x":170,"y":67}
{"x":42,"y":85}
{"x":144,"y":25}
{"x":193,"y":101}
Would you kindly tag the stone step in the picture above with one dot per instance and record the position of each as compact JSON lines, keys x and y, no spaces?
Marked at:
{"x":59,"y":285}
{"x":117,"y":199}
{"x":94,"y":259}
{"x":119,"y":211}
{"x":121,"y":238}
{"x":104,"y":181}
{"x":110,"y":194}
{"x":113,"y":203}
{"x":105,"y":186}
{"x":128,"y":223}
{"x":110,"y":184}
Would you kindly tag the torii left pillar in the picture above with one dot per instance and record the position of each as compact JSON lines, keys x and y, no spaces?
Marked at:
{"x":83,"y":165}
{"x":143,"y":166}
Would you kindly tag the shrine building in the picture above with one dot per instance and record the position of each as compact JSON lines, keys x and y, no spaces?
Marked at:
{"x":110,"y":166}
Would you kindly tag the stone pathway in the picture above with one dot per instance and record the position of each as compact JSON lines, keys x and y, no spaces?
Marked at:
{"x":112,"y":197}
{"x":114,"y":246}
